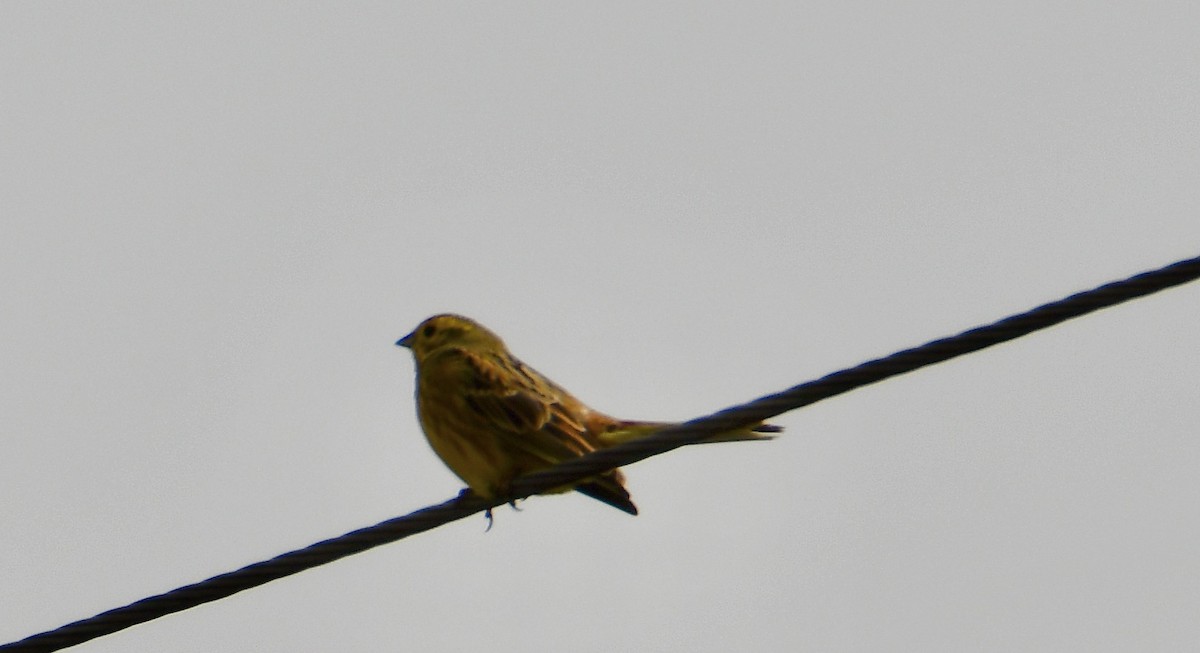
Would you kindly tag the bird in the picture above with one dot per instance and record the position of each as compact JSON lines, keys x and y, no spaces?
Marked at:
{"x":492,"y":418}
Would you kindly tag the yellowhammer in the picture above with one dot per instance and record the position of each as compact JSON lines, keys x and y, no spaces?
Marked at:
{"x":491,"y":418}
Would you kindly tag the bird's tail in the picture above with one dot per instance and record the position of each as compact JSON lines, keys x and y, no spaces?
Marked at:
{"x":624,"y":430}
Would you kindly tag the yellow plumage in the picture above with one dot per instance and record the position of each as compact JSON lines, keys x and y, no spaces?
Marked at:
{"x":491,"y":418}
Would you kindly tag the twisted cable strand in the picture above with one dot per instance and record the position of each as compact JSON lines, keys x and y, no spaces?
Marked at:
{"x":574,"y":470}
{"x":873,"y":371}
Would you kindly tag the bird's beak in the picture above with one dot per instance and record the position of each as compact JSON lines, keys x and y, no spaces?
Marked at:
{"x":406,"y":341}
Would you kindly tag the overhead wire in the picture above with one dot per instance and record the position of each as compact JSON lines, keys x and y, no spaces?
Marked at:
{"x":575,"y":470}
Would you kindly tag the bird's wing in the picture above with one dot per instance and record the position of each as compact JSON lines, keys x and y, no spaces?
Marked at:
{"x":523,"y":407}
{"x":533,"y":417}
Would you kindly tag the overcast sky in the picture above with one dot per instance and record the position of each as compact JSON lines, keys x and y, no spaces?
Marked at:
{"x":218,"y":217}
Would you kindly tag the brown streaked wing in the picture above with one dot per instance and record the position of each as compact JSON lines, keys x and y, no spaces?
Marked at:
{"x":526,"y":412}
{"x":494,"y":393}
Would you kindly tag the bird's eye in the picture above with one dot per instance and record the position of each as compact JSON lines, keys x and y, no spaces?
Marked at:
{"x":428,"y":331}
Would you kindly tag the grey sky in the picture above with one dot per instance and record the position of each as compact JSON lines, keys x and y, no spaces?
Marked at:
{"x":218,"y":218}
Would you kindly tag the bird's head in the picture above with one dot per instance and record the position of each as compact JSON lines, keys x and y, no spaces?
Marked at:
{"x":448,"y":330}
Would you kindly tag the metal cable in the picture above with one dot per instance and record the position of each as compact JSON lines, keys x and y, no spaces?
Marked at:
{"x":867,"y":373}
{"x":574,"y":470}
